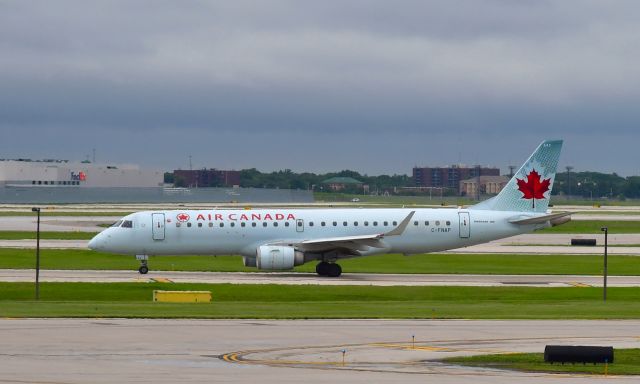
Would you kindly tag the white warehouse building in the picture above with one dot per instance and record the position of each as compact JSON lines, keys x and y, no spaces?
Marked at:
{"x":22,"y":173}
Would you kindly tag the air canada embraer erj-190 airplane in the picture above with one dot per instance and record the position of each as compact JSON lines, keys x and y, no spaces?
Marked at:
{"x":279,"y":239}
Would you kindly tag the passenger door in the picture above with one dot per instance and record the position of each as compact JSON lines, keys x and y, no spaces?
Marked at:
{"x":299,"y":225}
{"x":465,"y":225}
{"x":157,"y":220}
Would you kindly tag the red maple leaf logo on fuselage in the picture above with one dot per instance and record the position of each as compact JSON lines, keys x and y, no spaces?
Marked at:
{"x":533,"y":188}
{"x":182,"y":217}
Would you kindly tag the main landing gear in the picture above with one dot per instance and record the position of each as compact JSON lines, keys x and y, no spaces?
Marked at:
{"x":144,"y":269}
{"x":328,"y":269}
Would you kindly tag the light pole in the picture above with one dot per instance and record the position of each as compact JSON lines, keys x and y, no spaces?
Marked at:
{"x":606,"y":232}
{"x":37,"y":253}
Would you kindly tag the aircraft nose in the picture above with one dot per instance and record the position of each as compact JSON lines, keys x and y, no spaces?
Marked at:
{"x":96,"y":242}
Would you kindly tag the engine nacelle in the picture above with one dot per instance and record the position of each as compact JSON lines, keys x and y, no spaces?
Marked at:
{"x":275,"y":257}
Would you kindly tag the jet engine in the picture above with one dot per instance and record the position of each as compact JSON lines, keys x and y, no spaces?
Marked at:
{"x":275,"y":257}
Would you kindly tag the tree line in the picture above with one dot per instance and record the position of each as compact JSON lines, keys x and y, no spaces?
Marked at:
{"x":588,"y":185}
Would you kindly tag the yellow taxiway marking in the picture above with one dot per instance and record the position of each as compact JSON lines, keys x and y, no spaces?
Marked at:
{"x":417,"y":347}
{"x":161,"y":280}
{"x":433,"y":348}
{"x":235,"y":358}
{"x":578,"y":284}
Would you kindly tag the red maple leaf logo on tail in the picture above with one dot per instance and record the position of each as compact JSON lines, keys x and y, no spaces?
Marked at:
{"x":533,"y":188}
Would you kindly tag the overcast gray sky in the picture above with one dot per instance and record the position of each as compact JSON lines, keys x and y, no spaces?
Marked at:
{"x":374,"y":86}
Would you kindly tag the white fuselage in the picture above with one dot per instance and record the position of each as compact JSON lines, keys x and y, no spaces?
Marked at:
{"x":241,"y":232}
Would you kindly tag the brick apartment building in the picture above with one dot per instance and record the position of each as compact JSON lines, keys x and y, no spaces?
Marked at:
{"x":449,"y":177}
{"x":200,"y":178}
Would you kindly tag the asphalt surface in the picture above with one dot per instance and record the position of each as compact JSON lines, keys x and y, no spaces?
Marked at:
{"x":309,"y":351}
{"x":369,"y":279}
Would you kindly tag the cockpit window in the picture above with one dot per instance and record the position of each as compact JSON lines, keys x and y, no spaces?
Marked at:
{"x":127,"y":224}
{"x":117,"y":223}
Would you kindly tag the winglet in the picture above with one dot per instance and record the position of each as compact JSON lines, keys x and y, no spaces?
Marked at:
{"x":402,"y":226}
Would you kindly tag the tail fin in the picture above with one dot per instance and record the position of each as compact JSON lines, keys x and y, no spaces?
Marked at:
{"x":529,"y":190}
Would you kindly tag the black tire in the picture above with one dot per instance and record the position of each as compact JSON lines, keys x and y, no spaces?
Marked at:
{"x":143,"y":270}
{"x":322,"y":268}
{"x":335,"y":270}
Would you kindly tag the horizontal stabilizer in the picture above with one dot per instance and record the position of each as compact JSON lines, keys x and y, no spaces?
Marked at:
{"x":520,"y":220}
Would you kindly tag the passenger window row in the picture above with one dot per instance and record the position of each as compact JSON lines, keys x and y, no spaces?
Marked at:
{"x":232,"y":224}
{"x":300,"y":223}
{"x":355,"y":223}
{"x":426,"y":223}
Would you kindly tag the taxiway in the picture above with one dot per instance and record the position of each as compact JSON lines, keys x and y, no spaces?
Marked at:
{"x":309,"y":351}
{"x":288,"y":278}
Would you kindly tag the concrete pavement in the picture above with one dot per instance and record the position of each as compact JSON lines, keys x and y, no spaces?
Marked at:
{"x":309,"y":351}
{"x":367,"y":279}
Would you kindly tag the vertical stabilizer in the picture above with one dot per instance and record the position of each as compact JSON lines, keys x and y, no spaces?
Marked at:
{"x":529,"y":190}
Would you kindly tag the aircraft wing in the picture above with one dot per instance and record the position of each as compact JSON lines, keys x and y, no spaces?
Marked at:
{"x":351,"y":244}
{"x":539,"y":219}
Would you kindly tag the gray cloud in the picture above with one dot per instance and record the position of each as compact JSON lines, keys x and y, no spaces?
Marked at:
{"x":368,"y":80}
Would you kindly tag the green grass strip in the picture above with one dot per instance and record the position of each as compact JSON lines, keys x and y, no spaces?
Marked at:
{"x":63,"y":213}
{"x":428,"y":263}
{"x":29,"y":235}
{"x":593,"y":227}
{"x":289,"y":302}
{"x":627,"y":362}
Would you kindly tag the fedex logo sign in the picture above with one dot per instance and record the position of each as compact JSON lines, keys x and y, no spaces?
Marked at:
{"x":79,"y":176}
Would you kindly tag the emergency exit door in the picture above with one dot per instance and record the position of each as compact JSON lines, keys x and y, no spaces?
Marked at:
{"x":465,"y":225}
{"x":157,"y":226}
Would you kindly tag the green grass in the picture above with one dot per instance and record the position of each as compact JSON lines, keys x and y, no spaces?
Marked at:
{"x":284,"y":301}
{"x":627,"y":362}
{"x":64,"y":213}
{"x":612,"y":213}
{"x":593,"y":227}
{"x":559,"y":200}
{"x":391,"y":200}
{"x":429,"y":263}
{"x":28,"y":235}
{"x":455,"y":200}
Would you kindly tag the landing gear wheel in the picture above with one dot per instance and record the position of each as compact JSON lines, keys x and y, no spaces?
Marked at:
{"x":143,"y":264}
{"x":334,"y":270}
{"x":322,"y":268}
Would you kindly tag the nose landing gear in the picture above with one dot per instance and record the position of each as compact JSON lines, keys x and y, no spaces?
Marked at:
{"x":328,"y":269}
{"x":144,"y":269}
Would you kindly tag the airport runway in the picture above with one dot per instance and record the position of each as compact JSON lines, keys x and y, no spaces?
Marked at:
{"x":288,"y":278}
{"x":308,"y":351}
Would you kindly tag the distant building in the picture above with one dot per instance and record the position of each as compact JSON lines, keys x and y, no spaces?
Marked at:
{"x":449,"y":177}
{"x":201,"y":178}
{"x":340,"y":183}
{"x":489,"y":185}
{"x":23,"y":173}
